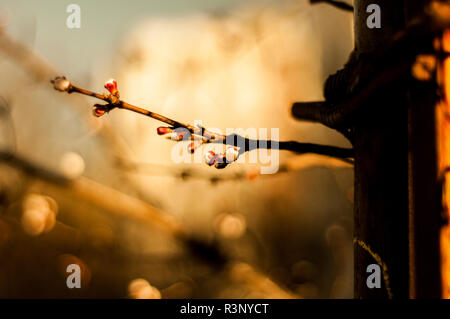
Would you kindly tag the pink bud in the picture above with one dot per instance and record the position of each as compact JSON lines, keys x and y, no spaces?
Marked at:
{"x":111,"y":86}
{"x":210,"y":158}
{"x":192,"y":147}
{"x":99,"y":110}
{"x":179,"y":134}
{"x":163,"y":130}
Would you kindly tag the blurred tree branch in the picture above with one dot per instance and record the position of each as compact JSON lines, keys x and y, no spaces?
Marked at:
{"x":337,"y":4}
{"x":5,"y":112}
{"x":41,"y":70}
{"x":98,"y":194}
{"x":295,"y":164}
{"x":124,"y":205}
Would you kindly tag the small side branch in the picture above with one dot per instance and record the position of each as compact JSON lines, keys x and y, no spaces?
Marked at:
{"x":342,"y":116}
{"x":321,"y":112}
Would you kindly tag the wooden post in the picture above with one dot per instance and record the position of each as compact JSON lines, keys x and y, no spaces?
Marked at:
{"x":381,"y":171}
{"x":385,"y":101}
{"x":397,"y":191}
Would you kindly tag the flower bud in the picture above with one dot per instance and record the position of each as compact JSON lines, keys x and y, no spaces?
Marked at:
{"x":192,"y":147}
{"x":98,"y":110}
{"x":163,"y":130}
{"x":231,"y":154}
{"x":111,"y":86}
{"x":179,"y":134}
{"x":210,"y":158}
{"x":60,"y":83}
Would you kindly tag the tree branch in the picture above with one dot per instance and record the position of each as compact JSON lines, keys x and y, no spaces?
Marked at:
{"x":198,"y":135}
{"x":295,"y":164}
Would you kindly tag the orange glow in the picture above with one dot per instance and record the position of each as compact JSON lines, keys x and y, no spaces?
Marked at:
{"x":443,"y":145}
{"x":446,"y":65}
{"x":443,"y":129}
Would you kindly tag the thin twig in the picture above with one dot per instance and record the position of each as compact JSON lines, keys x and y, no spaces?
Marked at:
{"x":294,"y":165}
{"x":337,"y":4}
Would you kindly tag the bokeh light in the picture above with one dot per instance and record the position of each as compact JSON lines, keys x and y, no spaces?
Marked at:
{"x":230,"y":226}
{"x":141,"y":289}
{"x":38,"y":214}
{"x":72,"y":165}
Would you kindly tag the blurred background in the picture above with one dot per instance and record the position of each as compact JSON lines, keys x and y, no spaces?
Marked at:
{"x":105,"y":194}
